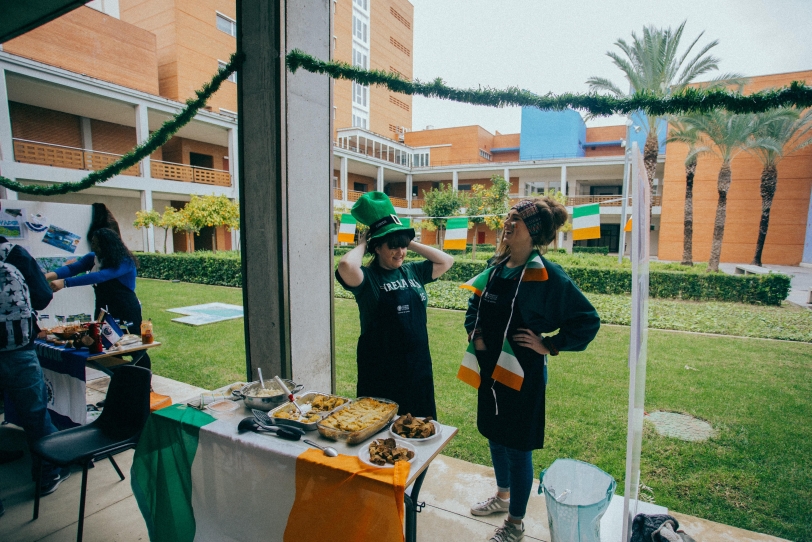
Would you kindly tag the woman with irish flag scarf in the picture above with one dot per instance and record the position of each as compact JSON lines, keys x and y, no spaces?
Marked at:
{"x":517,"y":302}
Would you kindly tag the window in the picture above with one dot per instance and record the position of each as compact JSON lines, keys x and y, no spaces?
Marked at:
{"x":465,"y":187}
{"x":233,"y":76}
{"x":420,"y":159}
{"x":227,"y":25}
{"x":605,"y":190}
{"x":359,"y":187}
{"x":533,"y":188}
{"x":359,"y":95}
{"x":201,"y":160}
{"x":485,"y":154}
{"x":359,"y":58}
{"x":359,"y":118}
{"x":362,"y":4}
{"x":359,"y":29}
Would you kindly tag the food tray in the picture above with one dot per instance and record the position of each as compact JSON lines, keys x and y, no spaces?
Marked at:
{"x":306,"y":397}
{"x":355,"y":437}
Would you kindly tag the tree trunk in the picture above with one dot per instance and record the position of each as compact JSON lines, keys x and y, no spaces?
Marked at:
{"x":650,"y":151}
{"x":769,"y":182}
{"x":688,"y":230}
{"x":166,"y":236}
{"x":473,"y":244}
{"x":723,"y":186}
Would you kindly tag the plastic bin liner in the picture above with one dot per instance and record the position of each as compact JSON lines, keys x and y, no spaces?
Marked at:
{"x":577,"y":495}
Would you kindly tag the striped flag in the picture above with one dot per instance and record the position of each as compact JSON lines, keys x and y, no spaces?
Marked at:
{"x":628,"y":226}
{"x":508,"y":371}
{"x":456,"y":234}
{"x":346,"y":232}
{"x":469,"y":369}
{"x":586,"y":222}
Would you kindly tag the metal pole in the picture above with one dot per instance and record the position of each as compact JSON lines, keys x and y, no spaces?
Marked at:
{"x":624,"y":193}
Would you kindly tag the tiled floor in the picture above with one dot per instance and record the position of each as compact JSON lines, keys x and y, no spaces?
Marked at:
{"x":112,"y":513}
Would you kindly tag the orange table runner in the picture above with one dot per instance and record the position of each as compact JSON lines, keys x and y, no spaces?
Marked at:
{"x":343,"y":499}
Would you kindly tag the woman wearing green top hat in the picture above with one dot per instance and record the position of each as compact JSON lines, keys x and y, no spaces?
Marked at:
{"x":393,"y":351}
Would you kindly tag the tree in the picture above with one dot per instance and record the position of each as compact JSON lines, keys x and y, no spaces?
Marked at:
{"x":172,"y":219}
{"x":686,"y":133}
{"x":475,"y":210}
{"x":496,"y":204}
{"x":653,"y":65}
{"x":724,"y":135}
{"x":561,"y":198}
{"x":780,"y":133}
{"x":145,"y":219}
{"x":211,"y":211}
{"x":439,"y":204}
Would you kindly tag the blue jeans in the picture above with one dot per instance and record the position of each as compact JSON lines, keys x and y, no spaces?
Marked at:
{"x":21,"y":381}
{"x":514,"y":472}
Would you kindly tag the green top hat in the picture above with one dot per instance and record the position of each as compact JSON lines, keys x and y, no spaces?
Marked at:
{"x":374,"y":209}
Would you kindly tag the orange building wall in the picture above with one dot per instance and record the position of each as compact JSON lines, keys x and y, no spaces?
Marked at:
{"x":465,"y":143}
{"x":45,"y":125}
{"x":389,"y":21}
{"x":785,"y":237}
{"x":506,"y":141}
{"x":189,"y":45}
{"x":604,"y":133}
{"x":95,"y":44}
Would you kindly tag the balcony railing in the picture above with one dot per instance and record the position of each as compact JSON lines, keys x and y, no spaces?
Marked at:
{"x":337,"y":193}
{"x":46,"y":154}
{"x":607,"y":201}
{"x":189,"y":174}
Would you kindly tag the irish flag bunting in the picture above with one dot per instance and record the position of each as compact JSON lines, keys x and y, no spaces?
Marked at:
{"x":586,"y":222}
{"x":456,"y":234}
{"x":346,"y":232}
{"x":628,"y":226}
{"x":508,"y":371}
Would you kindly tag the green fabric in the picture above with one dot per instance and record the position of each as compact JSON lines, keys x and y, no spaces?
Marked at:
{"x":161,"y":474}
{"x":378,"y":279}
{"x":586,"y":210}
{"x":510,"y":272}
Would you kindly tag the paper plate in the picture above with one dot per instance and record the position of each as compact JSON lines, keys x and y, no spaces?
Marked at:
{"x":437,"y":430}
{"x":363,"y":453}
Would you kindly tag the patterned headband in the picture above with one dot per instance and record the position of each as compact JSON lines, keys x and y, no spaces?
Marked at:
{"x":530,"y":215}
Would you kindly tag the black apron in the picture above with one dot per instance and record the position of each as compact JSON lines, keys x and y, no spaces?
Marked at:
{"x":519,"y":423}
{"x":123,"y":305}
{"x":393,"y":355}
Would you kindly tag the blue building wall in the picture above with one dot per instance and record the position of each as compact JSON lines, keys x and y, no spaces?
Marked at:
{"x":551,"y":134}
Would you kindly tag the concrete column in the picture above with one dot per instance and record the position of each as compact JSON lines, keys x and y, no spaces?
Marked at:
{"x":506,"y":175}
{"x":6,"y":138}
{"x":342,"y":172}
{"x":286,"y":255}
{"x":233,"y":159}
{"x":141,"y":135}
{"x":563,"y":191}
{"x":455,"y":180}
{"x":409,"y":190}
{"x":87,"y":134}
{"x":149,"y":233}
{"x":379,"y":185}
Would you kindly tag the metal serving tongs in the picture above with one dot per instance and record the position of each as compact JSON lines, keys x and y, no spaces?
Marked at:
{"x":291,"y":398}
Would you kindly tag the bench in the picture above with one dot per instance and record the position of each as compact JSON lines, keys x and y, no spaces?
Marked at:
{"x":751,"y":270}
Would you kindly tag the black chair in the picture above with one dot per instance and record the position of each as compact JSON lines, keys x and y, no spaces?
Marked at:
{"x":117,"y":429}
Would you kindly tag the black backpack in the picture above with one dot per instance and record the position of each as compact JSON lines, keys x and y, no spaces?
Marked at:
{"x":15,"y":304}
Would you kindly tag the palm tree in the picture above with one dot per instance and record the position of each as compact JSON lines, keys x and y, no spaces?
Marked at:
{"x":652,"y":64}
{"x":724,"y":135}
{"x":685,"y":133}
{"x":785,"y":131}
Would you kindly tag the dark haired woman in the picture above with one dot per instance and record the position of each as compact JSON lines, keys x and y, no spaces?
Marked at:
{"x":102,"y":218}
{"x":394,"y":361}
{"x":516,"y":300}
{"x":114,"y":281}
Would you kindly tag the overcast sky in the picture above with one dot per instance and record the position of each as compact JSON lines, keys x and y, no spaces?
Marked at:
{"x":555,"y":45}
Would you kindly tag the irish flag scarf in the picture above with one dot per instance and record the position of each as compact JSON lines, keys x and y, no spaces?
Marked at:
{"x":508,"y":371}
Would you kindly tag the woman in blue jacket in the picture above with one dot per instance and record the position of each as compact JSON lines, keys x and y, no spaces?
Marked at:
{"x":111,"y":270}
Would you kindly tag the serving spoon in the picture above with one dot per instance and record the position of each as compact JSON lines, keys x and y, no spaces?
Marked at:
{"x":250,"y":424}
{"x":329,"y":451}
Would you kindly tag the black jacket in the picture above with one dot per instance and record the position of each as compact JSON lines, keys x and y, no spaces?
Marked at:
{"x":38,"y":288}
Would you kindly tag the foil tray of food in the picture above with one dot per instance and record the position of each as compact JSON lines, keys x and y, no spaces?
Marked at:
{"x":314,"y":404}
{"x":356,"y":422}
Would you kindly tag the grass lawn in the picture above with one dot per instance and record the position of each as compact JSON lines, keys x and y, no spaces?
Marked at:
{"x":754,"y":474}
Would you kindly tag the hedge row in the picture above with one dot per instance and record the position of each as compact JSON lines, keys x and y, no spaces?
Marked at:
{"x":590,"y":250}
{"x":223,"y":268}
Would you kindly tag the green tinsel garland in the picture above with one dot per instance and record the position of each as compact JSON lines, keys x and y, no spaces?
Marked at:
{"x":691,"y":99}
{"x":155,"y":140}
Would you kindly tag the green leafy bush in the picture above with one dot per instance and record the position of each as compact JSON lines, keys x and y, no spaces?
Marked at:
{"x":592,"y":273}
{"x":590,"y":250}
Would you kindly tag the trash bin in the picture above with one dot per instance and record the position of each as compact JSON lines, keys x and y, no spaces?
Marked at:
{"x":577,"y":495}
